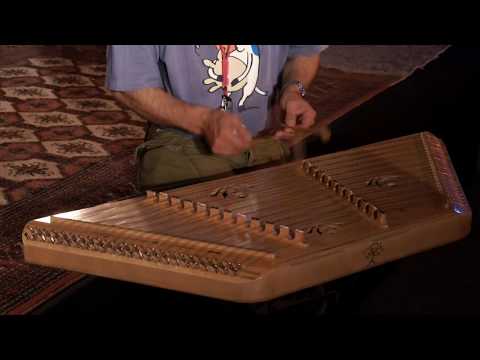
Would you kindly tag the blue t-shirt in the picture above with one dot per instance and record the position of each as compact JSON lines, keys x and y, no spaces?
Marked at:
{"x":193,"y":73}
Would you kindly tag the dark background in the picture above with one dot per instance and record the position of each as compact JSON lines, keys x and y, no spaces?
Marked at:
{"x":442,"y":98}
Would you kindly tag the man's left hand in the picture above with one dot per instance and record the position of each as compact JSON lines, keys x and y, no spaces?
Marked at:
{"x":298,"y":114}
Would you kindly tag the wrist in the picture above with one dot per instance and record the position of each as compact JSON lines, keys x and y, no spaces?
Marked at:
{"x":202,"y":120}
{"x":294,"y":86}
{"x":196,"y":119}
{"x":289,"y":92}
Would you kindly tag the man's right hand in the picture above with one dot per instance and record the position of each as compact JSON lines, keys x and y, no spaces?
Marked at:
{"x":226,"y":133}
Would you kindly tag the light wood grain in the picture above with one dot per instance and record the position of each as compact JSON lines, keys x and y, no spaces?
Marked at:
{"x":289,"y":227}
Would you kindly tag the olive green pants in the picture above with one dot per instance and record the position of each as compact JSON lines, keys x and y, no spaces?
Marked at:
{"x":169,"y":157}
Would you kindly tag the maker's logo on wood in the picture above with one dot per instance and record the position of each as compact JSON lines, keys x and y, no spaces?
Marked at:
{"x":373,"y":251}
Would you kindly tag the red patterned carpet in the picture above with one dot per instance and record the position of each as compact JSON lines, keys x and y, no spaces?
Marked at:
{"x":66,"y":144}
{"x":56,"y":118}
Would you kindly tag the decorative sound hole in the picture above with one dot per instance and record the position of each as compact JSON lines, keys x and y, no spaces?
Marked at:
{"x":329,"y":229}
{"x":383,"y":181}
{"x":228,"y":191}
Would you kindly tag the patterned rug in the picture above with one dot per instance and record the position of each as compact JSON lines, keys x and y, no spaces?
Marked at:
{"x":23,"y":286}
{"x":66,"y":144}
{"x":55,"y":119}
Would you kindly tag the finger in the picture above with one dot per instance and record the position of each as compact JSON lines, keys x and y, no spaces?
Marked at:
{"x":233,"y":142}
{"x":239,"y":140}
{"x":245,"y":134}
{"x":240,"y":133}
{"x":223,"y":148}
{"x":223,"y":142}
{"x":289,"y":130}
{"x":240,"y":145}
{"x":290,"y":119}
{"x":307,"y":119}
{"x":227,"y":147}
{"x":283,"y":135}
{"x":278,"y":134}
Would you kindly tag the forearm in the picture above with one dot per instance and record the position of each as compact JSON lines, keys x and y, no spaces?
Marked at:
{"x":162,"y":108}
{"x":301,"y":68}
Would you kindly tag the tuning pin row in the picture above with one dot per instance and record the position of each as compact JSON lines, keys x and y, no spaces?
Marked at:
{"x":255,"y":225}
{"x":365,"y":207}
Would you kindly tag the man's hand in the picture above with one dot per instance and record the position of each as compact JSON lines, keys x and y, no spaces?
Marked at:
{"x":225,"y":133}
{"x":297,"y":114}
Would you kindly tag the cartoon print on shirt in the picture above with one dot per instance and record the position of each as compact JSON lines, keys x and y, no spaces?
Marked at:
{"x":243,"y":71}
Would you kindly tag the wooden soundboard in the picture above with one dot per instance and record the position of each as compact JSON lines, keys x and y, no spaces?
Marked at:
{"x":267,"y":233}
